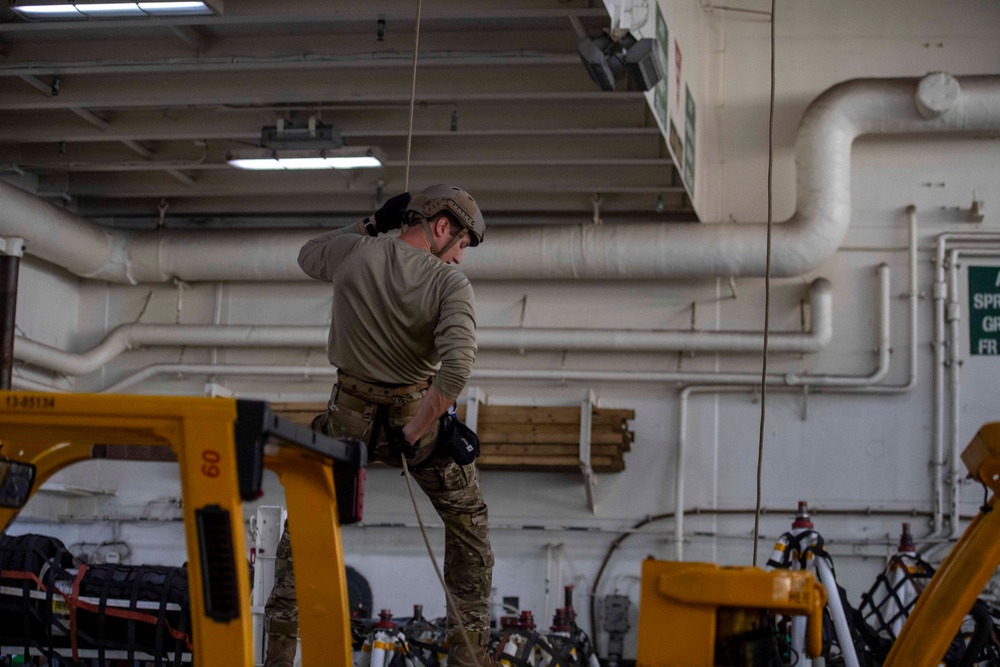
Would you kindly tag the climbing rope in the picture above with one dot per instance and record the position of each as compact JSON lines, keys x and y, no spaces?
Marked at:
{"x":767,"y":299}
{"x":450,"y":599}
{"x":413,"y":99}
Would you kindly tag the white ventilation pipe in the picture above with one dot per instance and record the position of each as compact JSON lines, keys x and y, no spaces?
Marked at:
{"x":628,"y":251}
{"x":683,"y":377}
{"x":130,"y":336}
{"x":630,"y":340}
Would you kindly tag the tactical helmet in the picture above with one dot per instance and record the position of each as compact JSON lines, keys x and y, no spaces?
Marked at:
{"x":456,"y":201}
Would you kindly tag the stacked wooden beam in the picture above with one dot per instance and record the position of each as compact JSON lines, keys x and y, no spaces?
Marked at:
{"x":529,"y":438}
{"x":300,"y":413}
{"x":548,"y":438}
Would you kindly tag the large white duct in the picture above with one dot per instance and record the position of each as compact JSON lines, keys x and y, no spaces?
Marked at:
{"x":129,"y":336}
{"x":936,"y":103}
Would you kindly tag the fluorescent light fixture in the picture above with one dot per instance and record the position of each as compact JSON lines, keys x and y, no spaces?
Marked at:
{"x":303,"y":163}
{"x":256,"y":163}
{"x":361,"y":162}
{"x":348,"y":157}
{"x":76,"y":9}
{"x":50,"y":11}
{"x":176,"y":8}
{"x":110,"y":9}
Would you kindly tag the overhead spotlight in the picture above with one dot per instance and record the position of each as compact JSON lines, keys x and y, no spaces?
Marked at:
{"x":595,"y":54}
{"x":643,"y":63}
{"x":605,"y":55}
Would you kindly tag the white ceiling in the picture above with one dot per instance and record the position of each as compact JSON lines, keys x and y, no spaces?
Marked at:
{"x":147,"y":109}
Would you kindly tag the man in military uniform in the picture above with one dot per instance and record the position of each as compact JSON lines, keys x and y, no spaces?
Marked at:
{"x":403,"y":341}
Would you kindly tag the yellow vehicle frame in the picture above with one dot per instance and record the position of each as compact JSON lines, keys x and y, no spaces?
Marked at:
{"x":221,"y":446}
{"x":680,"y":601}
{"x":963,"y":575}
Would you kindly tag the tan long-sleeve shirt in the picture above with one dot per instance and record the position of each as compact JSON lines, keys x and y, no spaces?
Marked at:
{"x":400,"y":315}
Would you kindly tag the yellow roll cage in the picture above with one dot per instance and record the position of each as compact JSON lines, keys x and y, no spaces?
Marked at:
{"x":221,"y":446}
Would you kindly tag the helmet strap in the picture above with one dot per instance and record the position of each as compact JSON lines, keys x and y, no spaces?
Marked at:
{"x":430,"y":237}
{"x":455,"y":239}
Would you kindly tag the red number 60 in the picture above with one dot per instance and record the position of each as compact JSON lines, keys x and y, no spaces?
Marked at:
{"x":211,"y":458}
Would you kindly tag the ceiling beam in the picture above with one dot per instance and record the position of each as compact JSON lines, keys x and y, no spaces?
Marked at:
{"x":182,"y":177}
{"x":503,"y":206}
{"x":488,"y":121}
{"x":190,"y":35}
{"x":310,"y":61}
{"x":115,"y":97}
{"x":90,"y":117}
{"x":458,"y":12}
{"x":138,"y":148}
{"x":226,"y":182}
{"x":455,"y":148}
{"x":45,"y":87}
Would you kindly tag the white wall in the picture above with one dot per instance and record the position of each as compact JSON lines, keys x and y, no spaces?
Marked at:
{"x":838,"y":452}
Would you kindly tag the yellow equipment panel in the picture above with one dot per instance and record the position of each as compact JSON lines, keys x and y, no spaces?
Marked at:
{"x":681,"y":602}
{"x":221,"y":447}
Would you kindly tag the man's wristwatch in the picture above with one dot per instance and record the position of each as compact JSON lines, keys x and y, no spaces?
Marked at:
{"x":369,"y":226}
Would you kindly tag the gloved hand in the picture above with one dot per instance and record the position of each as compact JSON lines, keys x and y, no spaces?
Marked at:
{"x":399,"y":445}
{"x":391,"y":215}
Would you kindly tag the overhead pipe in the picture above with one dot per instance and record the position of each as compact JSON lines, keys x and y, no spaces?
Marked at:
{"x":129,"y":336}
{"x":628,"y":251}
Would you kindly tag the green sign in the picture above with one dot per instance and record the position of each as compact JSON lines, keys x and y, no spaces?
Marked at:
{"x":984,"y":310}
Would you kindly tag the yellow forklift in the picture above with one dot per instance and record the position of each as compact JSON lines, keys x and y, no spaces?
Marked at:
{"x":688,"y":611}
{"x":222,"y":447}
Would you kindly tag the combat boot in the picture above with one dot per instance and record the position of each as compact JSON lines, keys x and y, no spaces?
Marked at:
{"x":463,"y":655}
{"x":280,"y":651}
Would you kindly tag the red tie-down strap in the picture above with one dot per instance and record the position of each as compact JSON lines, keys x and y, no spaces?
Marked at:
{"x":73,"y":602}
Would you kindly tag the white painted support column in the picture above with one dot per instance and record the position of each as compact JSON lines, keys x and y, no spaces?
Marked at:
{"x":473,"y":399}
{"x":586,"y":425}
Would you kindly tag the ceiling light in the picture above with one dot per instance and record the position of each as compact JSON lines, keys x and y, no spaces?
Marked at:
{"x":110,"y":9}
{"x":47,"y":9}
{"x":303,"y":163}
{"x":178,"y":8}
{"x":359,"y":162}
{"x":354,"y":157}
{"x":254,"y":163}
{"x":50,"y":12}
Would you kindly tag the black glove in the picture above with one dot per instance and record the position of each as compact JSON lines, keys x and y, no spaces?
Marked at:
{"x":398,"y":444}
{"x":390,"y":216}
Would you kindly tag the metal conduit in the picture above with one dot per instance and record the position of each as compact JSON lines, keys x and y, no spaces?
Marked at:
{"x":936,"y":103}
{"x":130,"y":336}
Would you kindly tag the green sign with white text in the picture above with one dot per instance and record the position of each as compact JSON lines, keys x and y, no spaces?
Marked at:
{"x":984,"y":310}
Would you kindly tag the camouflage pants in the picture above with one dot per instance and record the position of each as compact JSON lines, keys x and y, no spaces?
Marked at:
{"x":452,"y":489}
